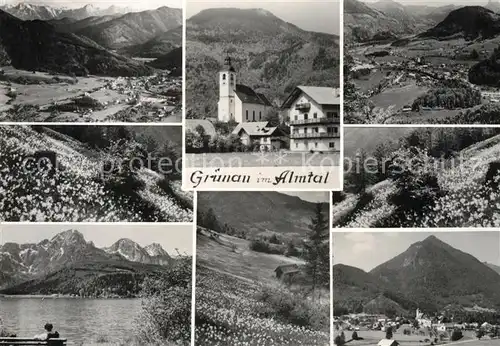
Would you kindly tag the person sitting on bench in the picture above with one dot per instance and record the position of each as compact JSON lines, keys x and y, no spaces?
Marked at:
{"x":48,"y":334}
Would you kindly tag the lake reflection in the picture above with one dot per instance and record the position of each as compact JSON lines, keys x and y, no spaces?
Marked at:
{"x":78,"y":320}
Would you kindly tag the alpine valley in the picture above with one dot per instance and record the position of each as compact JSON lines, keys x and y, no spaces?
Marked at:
{"x":68,"y":265}
{"x":422,"y":64}
{"x":430,"y":275}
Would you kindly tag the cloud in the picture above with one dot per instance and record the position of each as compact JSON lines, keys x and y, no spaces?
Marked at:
{"x":362,"y":242}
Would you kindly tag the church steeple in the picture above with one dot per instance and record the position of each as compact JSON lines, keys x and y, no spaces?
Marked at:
{"x":228,"y":64}
{"x":227,"y":86}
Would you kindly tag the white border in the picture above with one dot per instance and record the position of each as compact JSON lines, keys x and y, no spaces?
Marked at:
{"x":193,"y":284}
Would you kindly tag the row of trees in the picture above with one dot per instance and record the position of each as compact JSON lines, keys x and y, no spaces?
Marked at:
{"x":450,"y":95}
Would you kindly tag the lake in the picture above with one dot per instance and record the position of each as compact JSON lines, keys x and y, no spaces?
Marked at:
{"x":78,"y":320}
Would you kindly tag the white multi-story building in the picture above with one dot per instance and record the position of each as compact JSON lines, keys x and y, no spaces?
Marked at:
{"x":314,"y":114}
{"x":238,"y":102}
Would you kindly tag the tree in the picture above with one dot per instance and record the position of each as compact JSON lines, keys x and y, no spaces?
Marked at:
{"x":209,"y":220}
{"x":388,"y":333}
{"x":317,"y":250}
{"x":273,"y":117}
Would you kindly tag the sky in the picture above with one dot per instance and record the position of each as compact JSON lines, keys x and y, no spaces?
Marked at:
{"x":314,"y":197}
{"x":369,"y":249}
{"x":135,"y":5}
{"x":169,"y":236}
{"x":318,"y":15}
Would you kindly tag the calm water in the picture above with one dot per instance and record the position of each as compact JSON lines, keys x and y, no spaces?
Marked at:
{"x":75,"y":319}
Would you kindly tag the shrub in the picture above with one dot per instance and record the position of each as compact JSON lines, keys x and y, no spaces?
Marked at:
{"x":289,"y":307}
{"x":166,"y":311}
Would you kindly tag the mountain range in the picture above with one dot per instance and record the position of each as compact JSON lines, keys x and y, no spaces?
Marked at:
{"x":26,"y":11}
{"x":264,"y":211}
{"x":387,"y":18}
{"x":24,"y":263}
{"x":88,"y":40}
{"x":470,"y":22}
{"x":268,"y":54}
{"x":430,"y":275}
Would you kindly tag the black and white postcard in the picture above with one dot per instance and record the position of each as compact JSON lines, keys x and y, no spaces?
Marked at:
{"x":262,"y":95}
{"x":95,"y":284}
{"x":91,"y":61}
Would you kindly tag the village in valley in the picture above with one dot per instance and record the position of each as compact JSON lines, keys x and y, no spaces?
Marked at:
{"x":253,"y":99}
{"x":430,"y":294}
{"x":308,"y":121}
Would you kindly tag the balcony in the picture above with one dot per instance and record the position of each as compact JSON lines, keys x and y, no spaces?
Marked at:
{"x":316,"y":121}
{"x":304,"y":107}
{"x":314,"y":135}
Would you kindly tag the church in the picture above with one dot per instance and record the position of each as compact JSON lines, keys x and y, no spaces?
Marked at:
{"x":238,"y":102}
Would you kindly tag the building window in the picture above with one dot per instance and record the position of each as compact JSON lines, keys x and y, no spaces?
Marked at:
{"x":315,"y":144}
{"x":316,"y":130}
{"x":335,"y":129}
{"x":260,"y":115}
{"x":315,"y":115}
{"x":253,"y":115}
{"x":296,"y":145}
{"x":306,"y":116}
{"x":224,"y":76}
{"x":247,"y":114}
{"x":296,"y":117}
{"x":232,"y":78}
{"x":332,"y":144}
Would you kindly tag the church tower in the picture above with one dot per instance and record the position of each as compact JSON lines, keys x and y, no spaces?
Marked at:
{"x":227,"y":86}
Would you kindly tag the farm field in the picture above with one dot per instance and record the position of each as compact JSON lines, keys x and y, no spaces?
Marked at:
{"x":271,"y":159}
{"x":398,"y":97}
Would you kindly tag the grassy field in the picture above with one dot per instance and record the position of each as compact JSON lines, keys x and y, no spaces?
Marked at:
{"x":40,"y":90}
{"x":272,"y":159}
{"x":398,"y":97}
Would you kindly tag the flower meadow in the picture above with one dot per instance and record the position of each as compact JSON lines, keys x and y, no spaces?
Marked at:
{"x":76,"y":190}
{"x":463,"y":195}
{"x":231,"y":311}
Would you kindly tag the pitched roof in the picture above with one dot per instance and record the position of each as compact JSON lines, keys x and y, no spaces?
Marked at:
{"x":192,"y":124}
{"x":321,"y":95}
{"x":387,"y":342}
{"x":256,"y":128}
{"x":248,"y":95}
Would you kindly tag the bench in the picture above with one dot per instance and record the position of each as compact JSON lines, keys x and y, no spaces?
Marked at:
{"x":31,"y":341}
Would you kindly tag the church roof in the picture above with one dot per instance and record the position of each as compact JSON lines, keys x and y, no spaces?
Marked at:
{"x":192,"y":124}
{"x":256,"y":128}
{"x":248,"y":95}
{"x":321,"y":95}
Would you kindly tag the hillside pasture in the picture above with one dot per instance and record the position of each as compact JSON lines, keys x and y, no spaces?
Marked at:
{"x":232,"y":256}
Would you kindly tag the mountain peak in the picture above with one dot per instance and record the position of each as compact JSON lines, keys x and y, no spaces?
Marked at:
{"x":156,"y":249}
{"x":68,"y":237}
